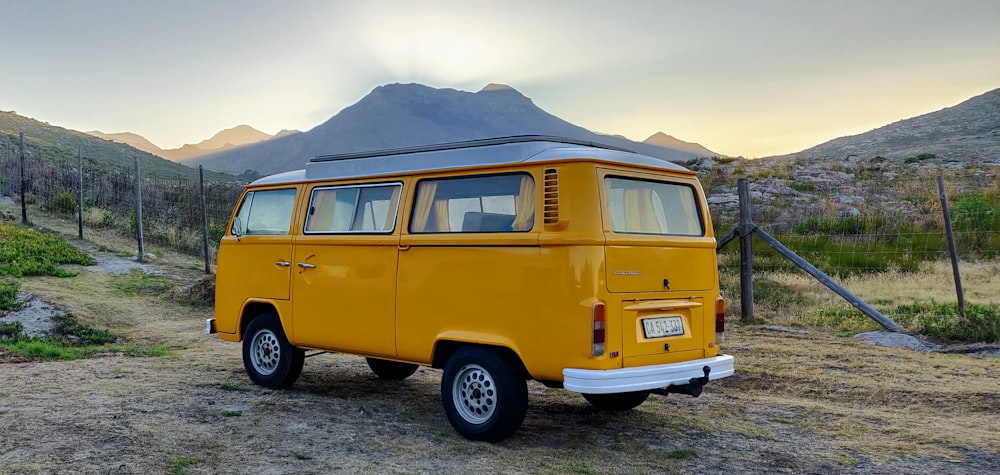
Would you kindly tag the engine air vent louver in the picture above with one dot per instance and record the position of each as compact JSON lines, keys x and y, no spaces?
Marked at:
{"x":551,"y":212}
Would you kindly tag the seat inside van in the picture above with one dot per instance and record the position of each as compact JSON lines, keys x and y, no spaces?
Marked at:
{"x":477,"y":222}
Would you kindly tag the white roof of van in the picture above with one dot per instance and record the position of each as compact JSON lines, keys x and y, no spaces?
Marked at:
{"x":499,"y":151}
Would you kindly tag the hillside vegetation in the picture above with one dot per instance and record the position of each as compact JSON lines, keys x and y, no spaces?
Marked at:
{"x":54,"y":146}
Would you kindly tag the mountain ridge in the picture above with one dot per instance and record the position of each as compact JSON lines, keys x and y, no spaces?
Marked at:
{"x":224,"y":139}
{"x":969,"y":130}
{"x":401,"y":115}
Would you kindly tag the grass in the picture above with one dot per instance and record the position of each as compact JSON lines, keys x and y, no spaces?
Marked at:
{"x":922,"y":302}
{"x":8,"y":294}
{"x":178,"y":465}
{"x":68,"y":341}
{"x":138,"y":283}
{"x":26,"y":252}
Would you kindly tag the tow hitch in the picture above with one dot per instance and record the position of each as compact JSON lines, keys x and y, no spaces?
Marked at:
{"x":692,"y":388}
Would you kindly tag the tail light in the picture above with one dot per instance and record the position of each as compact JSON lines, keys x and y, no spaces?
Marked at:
{"x":720,"y":320}
{"x":598,"y":317}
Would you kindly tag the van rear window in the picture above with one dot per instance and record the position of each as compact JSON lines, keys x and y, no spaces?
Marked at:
{"x":478,"y":204}
{"x":652,"y":207}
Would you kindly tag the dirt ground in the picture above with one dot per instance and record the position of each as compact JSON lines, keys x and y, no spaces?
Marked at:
{"x":805,"y":402}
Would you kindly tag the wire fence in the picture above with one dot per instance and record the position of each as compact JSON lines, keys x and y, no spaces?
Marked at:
{"x":894,"y":221}
{"x":171,"y":207}
{"x":855,"y":220}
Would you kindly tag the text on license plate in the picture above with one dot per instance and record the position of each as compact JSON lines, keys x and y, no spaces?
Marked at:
{"x":662,"y":326}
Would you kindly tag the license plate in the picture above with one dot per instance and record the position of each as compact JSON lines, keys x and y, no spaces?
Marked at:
{"x":662,"y":326}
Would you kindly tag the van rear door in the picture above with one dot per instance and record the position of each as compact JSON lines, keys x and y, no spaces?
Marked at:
{"x":661,"y":261}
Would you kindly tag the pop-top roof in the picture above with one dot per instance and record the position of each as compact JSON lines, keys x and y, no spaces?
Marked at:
{"x":486,"y":152}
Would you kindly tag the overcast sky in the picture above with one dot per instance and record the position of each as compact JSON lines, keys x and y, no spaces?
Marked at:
{"x":752,"y":78}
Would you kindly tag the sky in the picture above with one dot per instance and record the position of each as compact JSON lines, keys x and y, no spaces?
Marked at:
{"x":741,"y":77}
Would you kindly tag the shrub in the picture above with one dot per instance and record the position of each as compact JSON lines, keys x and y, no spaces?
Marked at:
{"x":25,"y":252}
{"x":941,"y":320}
{"x":8,"y":294}
{"x":64,"y":203}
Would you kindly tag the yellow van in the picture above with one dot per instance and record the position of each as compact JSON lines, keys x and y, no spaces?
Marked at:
{"x":579,"y":265}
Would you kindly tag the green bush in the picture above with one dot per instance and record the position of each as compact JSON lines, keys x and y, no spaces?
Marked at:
{"x":64,"y":203}
{"x":8,"y":294}
{"x":942,"y":320}
{"x":25,"y":252}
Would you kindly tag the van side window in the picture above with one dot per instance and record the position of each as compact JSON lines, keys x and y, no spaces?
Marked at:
{"x":353,"y":209}
{"x":477,"y":204}
{"x":266,"y":212}
{"x":650,"y":207}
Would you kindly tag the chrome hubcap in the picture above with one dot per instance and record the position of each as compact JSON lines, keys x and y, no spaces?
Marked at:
{"x":265,"y":352}
{"x":474,"y":393}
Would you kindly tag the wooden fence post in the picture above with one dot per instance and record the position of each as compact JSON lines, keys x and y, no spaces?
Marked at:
{"x":204,"y":217}
{"x":24,"y":186}
{"x":746,"y":229}
{"x":138,"y":209}
{"x":79,"y":211}
{"x":951,"y":247}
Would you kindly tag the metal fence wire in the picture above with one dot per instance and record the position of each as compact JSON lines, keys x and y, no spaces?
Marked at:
{"x":870,"y":223}
{"x":171,"y":207}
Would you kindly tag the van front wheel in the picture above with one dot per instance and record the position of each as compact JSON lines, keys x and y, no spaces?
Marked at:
{"x":483,"y":394}
{"x":270,"y":360}
{"x":392,"y":370}
{"x":617,"y":401}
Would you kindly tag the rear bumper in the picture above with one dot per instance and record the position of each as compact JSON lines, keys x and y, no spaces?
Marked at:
{"x":210,"y":326}
{"x":644,"y":378}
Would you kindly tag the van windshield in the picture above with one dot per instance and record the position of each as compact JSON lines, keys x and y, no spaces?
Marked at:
{"x":652,"y":207}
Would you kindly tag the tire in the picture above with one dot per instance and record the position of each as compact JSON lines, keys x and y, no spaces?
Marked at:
{"x":617,"y":401}
{"x":392,"y":370}
{"x":484,"y":394}
{"x":269,"y":359}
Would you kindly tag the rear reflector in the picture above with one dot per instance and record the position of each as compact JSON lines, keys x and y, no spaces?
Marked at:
{"x":598,"y":319}
{"x":720,"y":320}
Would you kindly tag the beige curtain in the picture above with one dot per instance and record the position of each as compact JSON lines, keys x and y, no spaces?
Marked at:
{"x":390,"y":215}
{"x":441,"y":216}
{"x":691,"y":218}
{"x":324,"y":205}
{"x":639,"y":214}
{"x":422,"y":209}
{"x":525,"y":205}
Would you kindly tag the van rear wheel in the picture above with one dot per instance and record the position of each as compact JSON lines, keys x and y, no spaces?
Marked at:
{"x":270,"y":360}
{"x":484,"y":395}
{"x":617,"y":401}
{"x":393,"y":370}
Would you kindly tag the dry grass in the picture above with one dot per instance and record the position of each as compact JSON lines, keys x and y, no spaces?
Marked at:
{"x":812,"y":403}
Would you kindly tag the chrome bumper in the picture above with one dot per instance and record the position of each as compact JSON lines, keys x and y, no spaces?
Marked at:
{"x":210,"y":326}
{"x":644,"y":378}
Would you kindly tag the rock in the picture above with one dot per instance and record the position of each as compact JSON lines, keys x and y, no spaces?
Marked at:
{"x":896,"y":340}
{"x":850,"y":213}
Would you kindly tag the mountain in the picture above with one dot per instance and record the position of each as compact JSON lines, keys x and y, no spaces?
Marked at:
{"x":129,"y":138}
{"x":969,"y":131}
{"x":56,"y":146}
{"x":663,"y":140}
{"x":401,"y":115}
{"x":223,"y":140}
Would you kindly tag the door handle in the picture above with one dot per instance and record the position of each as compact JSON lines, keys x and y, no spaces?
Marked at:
{"x":305,"y":265}
{"x":282,"y":263}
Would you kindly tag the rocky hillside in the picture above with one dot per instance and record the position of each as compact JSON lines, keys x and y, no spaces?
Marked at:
{"x":401,"y":115}
{"x":969,"y":131}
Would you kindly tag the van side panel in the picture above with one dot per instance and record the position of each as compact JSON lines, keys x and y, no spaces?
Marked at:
{"x":470,"y":288}
{"x":345,"y":295}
